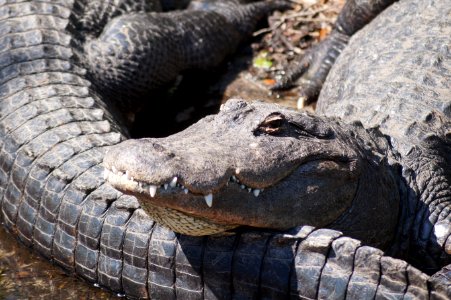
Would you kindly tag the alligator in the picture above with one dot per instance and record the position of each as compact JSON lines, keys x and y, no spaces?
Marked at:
{"x":374,"y":163}
{"x":58,"y":118}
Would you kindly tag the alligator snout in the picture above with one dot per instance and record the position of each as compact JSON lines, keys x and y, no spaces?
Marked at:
{"x":135,"y":154}
{"x":127,"y":156}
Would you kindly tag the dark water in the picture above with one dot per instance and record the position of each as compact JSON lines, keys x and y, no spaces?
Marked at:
{"x":25,"y":275}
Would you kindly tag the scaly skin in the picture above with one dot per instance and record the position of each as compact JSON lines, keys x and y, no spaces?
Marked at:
{"x":54,"y":130}
{"x":389,"y":185}
{"x":140,"y":52}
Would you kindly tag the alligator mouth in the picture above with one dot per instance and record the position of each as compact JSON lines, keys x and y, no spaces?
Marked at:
{"x":309,"y":187}
{"x":174,"y":219}
{"x":124,"y":181}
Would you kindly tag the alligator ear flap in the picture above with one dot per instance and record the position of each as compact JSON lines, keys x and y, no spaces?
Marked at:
{"x":310,"y":125}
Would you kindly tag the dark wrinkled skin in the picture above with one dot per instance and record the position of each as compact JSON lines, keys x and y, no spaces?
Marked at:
{"x":140,"y":52}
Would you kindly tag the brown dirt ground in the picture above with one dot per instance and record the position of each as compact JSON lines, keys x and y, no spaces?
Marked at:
{"x":287,"y":35}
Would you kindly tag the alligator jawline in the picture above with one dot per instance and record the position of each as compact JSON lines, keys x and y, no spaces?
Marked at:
{"x":174,"y":219}
{"x":125,"y":182}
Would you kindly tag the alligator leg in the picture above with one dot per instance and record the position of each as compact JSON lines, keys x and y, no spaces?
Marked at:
{"x":136,"y":53}
{"x":310,"y":70}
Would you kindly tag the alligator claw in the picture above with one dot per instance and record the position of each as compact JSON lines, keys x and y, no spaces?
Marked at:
{"x":310,"y":70}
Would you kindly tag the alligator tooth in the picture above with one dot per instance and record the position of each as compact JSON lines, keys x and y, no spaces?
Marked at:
{"x":186,"y":191}
{"x":173,"y":182}
{"x":256,"y":192}
{"x":113,"y":168}
{"x":165,"y":186}
{"x":233,"y":178}
{"x":120,"y":173}
{"x":440,"y":230}
{"x":249,"y":190}
{"x":127,"y":175}
{"x":106,"y":173}
{"x":209,"y":199}
{"x":152,"y":190}
{"x":237,"y":171}
{"x":301,"y":102}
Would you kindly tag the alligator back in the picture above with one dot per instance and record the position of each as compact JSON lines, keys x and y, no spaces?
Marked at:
{"x":395,"y":72}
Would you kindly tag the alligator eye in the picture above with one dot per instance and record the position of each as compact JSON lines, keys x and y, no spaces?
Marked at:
{"x":273,"y":124}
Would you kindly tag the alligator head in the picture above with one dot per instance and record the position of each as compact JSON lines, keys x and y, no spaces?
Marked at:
{"x":259,"y":165}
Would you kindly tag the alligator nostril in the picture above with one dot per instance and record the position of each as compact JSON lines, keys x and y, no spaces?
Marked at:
{"x":159,"y":148}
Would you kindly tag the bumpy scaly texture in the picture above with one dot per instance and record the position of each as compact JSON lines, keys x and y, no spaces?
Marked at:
{"x":399,"y":80}
{"x":318,"y":171}
{"x":290,"y":164}
{"x":139,"y":52}
{"x":280,"y":151}
{"x":310,"y":70}
{"x":54,"y":131}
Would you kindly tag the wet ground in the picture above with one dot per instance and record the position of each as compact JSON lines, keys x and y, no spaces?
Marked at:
{"x":249,"y":74}
{"x":25,"y":275}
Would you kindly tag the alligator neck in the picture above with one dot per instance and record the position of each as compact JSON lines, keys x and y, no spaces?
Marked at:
{"x":424,"y":154}
{"x":378,"y":190}
{"x":420,"y":164}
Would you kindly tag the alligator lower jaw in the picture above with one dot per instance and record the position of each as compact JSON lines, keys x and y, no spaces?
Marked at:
{"x":183,"y":223}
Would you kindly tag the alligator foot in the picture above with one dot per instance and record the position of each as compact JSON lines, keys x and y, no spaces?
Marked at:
{"x":310,"y":70}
